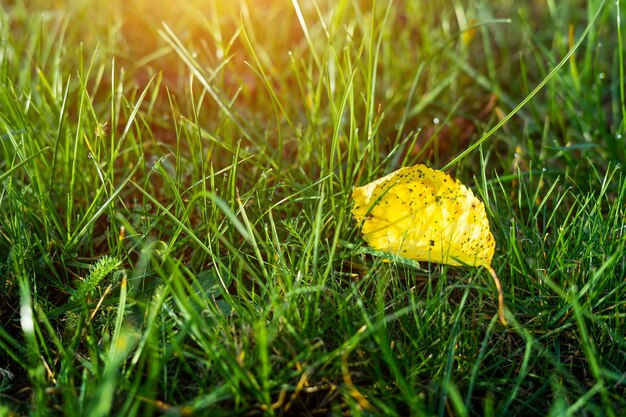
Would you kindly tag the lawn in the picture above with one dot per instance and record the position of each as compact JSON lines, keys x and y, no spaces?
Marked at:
{"x":176,"y":183}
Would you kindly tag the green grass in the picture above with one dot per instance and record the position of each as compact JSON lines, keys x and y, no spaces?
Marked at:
{"x":175,"y":229}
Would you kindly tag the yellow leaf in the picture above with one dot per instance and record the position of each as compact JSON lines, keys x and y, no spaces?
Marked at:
{"x":423,"y":214}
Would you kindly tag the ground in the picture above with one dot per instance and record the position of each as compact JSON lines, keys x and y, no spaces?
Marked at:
{"x":176,"y":233}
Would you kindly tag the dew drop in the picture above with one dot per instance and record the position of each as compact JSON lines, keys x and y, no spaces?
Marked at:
{"x":618,"y":136}
{"x":544,"y":169}
{"x":601,"y":76}
{"x":436,"y":120}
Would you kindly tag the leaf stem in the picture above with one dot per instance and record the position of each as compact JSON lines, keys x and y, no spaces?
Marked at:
{"x":500,"y":294}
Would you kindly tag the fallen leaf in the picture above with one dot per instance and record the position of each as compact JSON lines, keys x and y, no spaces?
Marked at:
{"x":423,"y":214}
